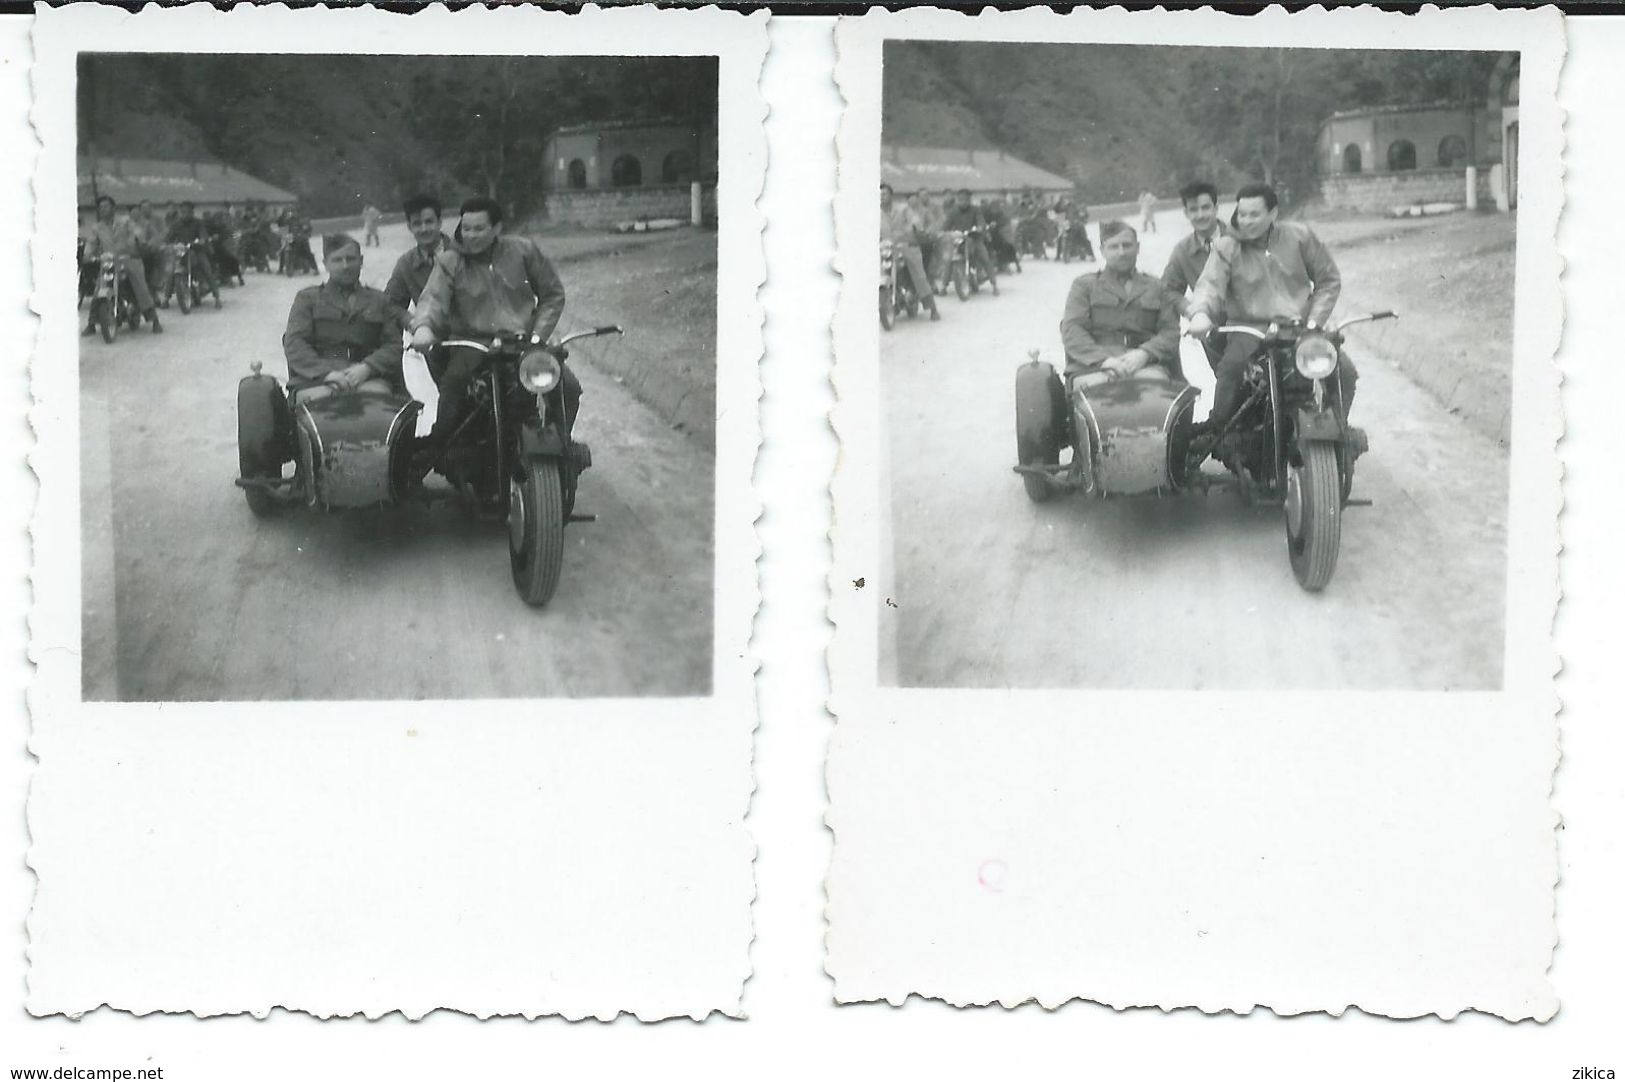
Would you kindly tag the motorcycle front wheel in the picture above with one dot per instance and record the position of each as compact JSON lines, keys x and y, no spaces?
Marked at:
{"x":888,"y":311}
{"x":961,"y":290}
{"x":101,"y":315}
{"x":183,"y":295}
{"x":536,"y":529}
{"x":1314,"y":515}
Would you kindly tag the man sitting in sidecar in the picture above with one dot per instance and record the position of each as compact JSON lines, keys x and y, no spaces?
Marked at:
{"x":344,"y":417}
{"x":1125,"y":407}
{"x":1119,"y":322}
{"x":342,"y":335}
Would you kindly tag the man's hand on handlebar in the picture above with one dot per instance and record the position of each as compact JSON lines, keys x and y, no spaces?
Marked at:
{"x":423,"y":339}
{"x":1200,"y":325}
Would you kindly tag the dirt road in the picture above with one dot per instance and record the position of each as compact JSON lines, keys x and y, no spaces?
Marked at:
{"x":1185,"y":593}
{"x":187,"y":596}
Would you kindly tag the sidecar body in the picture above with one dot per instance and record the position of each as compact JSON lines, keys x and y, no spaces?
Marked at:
{"x":1127,"y":437}
{"x":345,"y":450}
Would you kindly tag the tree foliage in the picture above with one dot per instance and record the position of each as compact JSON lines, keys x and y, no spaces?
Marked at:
{"x":1121,"y":118}
{"x":344,"y":131}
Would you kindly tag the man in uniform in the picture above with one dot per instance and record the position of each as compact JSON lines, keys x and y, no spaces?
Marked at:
{"x":1120,"y":322}
{"x":187,"y":228}
{"x":900,"y":225}
{"x":342,"y":335}
{"x":1189,"y":257}
{"x":485,"y":283}
{"x":1264,"y":271}
{"x":116,"y":236}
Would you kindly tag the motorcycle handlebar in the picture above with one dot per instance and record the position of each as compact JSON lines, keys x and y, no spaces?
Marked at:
{"x":511,"y":339}
{"x":595,"y":332}
{"x":1262,"y":333}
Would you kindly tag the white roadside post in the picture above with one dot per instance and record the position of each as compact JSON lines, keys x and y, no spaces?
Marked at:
{"x":694,"y":204}
{"x":1472,"y":187}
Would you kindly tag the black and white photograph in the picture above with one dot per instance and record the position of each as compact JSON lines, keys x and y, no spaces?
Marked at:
{"x":1196,"y":521}
{"x":1126,"y":318}
{"x":393,"y":549}
{"x":398,"y":381}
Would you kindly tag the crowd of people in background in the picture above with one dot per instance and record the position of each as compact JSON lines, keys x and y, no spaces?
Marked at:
{"x":952,"y":241}
{"x":148,"y":240}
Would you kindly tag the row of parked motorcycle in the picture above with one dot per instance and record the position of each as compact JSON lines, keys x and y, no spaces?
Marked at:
{"x":967,"y":260}
{"x":175,"y":273}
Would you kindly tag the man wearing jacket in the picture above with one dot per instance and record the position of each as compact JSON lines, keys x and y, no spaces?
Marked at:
{"x":189,"y":229}
{"x":1265,"y":271}
{"x":342,"y":335}
{"x":1120,"y":322}
{"x":121,"y":238}
{"x":900,"y":225}
{"x":1188,"y":260}
{"x":486,"y":283}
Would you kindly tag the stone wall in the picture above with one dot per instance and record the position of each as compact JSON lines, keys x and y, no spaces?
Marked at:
{"x":1377,"y":192}
{"x":605,"y":207}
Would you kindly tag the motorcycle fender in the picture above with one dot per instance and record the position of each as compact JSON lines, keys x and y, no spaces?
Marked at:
{"x":1319,"y":426}
{"x":543,"y":442}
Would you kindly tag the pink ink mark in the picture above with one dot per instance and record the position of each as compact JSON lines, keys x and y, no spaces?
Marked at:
{"x":992,"y":875}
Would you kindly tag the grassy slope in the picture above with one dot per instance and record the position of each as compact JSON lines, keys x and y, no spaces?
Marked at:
{"x":1451,"y":280}
{"x":662,"y":288}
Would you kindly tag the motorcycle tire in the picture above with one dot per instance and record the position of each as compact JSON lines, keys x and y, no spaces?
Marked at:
{"x":101,"y":315}
{"x":911,"y":304}
{"x":960,"y":289}
{"x":1040,"y":407}
{"x":536,"y":529}
{"x":183,"y":295}
{"x":132,"y":317}
{"x":1314,"y":516}
{"x":888,"y":311}
{"x":259,"y":440}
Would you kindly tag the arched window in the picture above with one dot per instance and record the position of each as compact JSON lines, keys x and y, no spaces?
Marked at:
{"x":1351,"y":158}
{"x":626,"y":172}
{"x":576,"y":174}
{"x":1452,"y":152}
{"x":1401,"y":155}
{"x":678,"y":168}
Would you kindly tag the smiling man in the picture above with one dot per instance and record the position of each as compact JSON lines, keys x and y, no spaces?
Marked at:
{"x":1186,"y":262}
{"x":342,"y":335}
{"x":1265,"y":271}
{"x":485,"y":283}
{"x":413,"y":268}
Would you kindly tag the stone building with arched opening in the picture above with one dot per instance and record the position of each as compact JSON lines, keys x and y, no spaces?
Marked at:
{"x":1385,"y":156}
{"x":617,"y":171}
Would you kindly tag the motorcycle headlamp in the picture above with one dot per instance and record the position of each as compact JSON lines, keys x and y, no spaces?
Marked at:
{"x":539,"y":371}
{"x":1316,"y":357}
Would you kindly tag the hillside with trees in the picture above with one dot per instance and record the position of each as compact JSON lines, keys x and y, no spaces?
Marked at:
{"x":1122,"y":118}
{"x":343,"y":131}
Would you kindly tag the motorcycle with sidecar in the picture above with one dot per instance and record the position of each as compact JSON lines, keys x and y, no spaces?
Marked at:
{"x":511,"y":455}
{"x":1289,"y":441}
